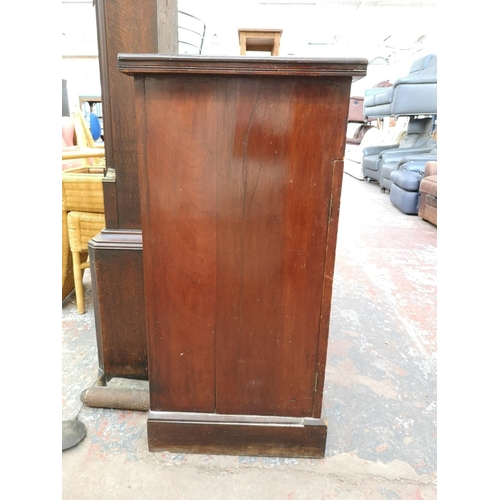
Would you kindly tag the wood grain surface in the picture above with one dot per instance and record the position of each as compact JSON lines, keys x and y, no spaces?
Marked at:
{"x":122,"y":26}
{"x":119,"y":304}
{"x":273,"y":439}
{"x":236,"y":191}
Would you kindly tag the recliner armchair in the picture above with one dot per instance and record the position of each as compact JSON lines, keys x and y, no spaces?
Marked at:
{"x":414,"y":94}
{"x":414,"y":161}
{"x":406,"y":181}
{"x":417,"y":140}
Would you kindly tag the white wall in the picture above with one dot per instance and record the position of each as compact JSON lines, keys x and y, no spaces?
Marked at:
{"x":82,"y":75}
{"x":80,"y":63}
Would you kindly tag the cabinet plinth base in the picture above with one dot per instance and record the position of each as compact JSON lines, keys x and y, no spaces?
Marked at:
{"x":248,"y":435}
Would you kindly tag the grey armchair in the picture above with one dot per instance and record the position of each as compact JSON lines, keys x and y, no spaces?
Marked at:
{"x":406,"y":181}
{"x":411,"y":161}
{"x":414,"y":94}
{"x":417,"y":140}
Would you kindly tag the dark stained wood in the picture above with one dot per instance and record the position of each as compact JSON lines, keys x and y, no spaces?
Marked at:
{"x":168,"y":26}
{"x":123,"y":26}
{"x":180,"y":241}
{"x":240,"y":170}
{"x":272,"y":219}
{"x":118,"y":295}
{"x":216,"y":65}
{"x":305,"y":439}
{"x":109,"y":191}
{"x":326,"y":301}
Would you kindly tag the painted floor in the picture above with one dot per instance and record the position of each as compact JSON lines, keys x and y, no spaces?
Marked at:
{"x":380,"y":386}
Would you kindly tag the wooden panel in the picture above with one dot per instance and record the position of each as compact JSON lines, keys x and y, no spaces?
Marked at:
{"x":168,"y":27}
{"x":180,"y":242}
{"x":273,"y":192}
{"x":238,"y":211}
{"x":275,"y":439}
{"x":123,"y":26}
{"x":118,"y":292}
{"x":326,"y":301}
{"x":110,"y":205}
{"x":134,"y":64}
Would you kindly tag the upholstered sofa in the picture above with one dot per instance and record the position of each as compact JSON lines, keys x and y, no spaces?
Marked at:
{"x":411,"y":95}
{"x":427,"y":207}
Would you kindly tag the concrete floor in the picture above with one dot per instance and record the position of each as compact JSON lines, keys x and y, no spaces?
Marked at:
{"x":380,"y":387}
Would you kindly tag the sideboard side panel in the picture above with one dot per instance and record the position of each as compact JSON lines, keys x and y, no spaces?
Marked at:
{"x":179,"y":228}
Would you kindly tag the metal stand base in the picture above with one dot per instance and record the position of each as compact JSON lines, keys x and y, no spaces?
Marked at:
{"x":73,"y":431}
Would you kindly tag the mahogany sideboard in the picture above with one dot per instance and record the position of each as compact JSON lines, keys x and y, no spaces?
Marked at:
{"x":240,"y":166}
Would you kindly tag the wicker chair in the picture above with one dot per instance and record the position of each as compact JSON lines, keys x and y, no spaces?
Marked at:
{"x":82,"y":204}
{"x":68,"y":278}
{"x":83,"y":218}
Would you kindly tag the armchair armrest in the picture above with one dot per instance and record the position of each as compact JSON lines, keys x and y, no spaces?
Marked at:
{"x":399,"y":153}
{"x":84,"y":153}
{"x":415,"y":80}
{"x":421,"y":158}
{"x":413,"y":166}
{"x":352,"y":140}
{"x":375,"y":150}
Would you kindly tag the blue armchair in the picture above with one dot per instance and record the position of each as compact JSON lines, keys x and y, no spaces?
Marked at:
{"x":406,"y":181}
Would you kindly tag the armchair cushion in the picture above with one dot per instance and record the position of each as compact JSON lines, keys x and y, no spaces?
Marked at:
{"x":407,"y":180}
{"x":401,"y":197}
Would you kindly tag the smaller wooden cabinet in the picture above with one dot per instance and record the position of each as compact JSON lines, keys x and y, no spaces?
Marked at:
{"x":240,"y":173}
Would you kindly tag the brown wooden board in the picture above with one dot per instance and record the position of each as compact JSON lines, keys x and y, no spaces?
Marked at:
{"x":122,"y":26}
{"x":274,"y":439}
{"x":118,"y":295}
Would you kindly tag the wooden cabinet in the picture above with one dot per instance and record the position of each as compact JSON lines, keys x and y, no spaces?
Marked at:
{"x":240,"y":171}
{"x":116,"y":253}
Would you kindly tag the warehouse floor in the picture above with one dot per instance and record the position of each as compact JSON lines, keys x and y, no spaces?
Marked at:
{"x":380,"y":386}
